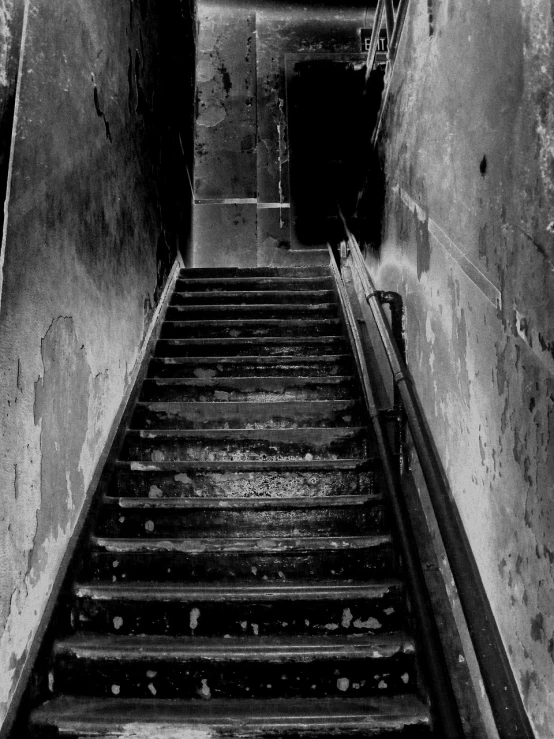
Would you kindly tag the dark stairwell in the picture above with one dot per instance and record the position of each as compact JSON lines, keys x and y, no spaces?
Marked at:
{"x":201,"y":524}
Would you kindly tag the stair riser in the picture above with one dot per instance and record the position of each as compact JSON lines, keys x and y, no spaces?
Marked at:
{"x":241,"y":484}
{"x":205,"y":679}
{"x":209,"y":566}
{"x":217,"y":392}
{"x":252,"y":284}
{"x":289,"y":618}
{"x":348,"y":521}
{"x":237,"y":312}
{"x":227,"y":367}
{"x":249,"y":347}
{"x":239,"y":447}
{"x":226,"y":272}
{"x":313,"y":297}
{"x":180,"y":330}
{"x":248,"y":415}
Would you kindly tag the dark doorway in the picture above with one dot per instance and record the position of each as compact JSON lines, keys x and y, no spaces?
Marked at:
{"x":328,"y":120}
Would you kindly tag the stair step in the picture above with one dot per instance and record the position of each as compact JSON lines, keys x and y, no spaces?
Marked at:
{"x":376,"y":717}
{"x":259,"y":327}
{"x":216,"y":272}
{"x":292,"y":346}
{"x":209,"y":559}
{"x":249,"y":388}
{"x":122,"y":517}
{"x":323,"y":365}
{"x":241,"y":297}
{"x":282,"y":311}
{"x":253,"y":283}
{"x":236,"y":667}
{"x":280,"y":608}
{"x":275,"y":482}
{"x":245,"y":444}
{"x":248,"y":414}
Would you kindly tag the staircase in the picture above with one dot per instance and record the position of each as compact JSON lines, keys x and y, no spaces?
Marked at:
{"x":241,"y":579}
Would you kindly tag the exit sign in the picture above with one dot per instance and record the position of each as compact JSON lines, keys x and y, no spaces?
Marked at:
{"x":382,"y":43}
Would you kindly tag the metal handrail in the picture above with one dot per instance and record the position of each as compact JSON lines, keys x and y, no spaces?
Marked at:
{"x":434,"y":665}
{"x":507,"y":706}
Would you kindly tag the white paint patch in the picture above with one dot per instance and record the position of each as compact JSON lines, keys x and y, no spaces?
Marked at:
{"x":194,"y":616}
{"x":343,"y":683}
{"x":370,"y":623}
{"x":163,"y":731}
{"x":346,"y":618}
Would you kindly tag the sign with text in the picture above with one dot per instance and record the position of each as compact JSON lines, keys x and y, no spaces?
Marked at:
{"x":382,"y":43}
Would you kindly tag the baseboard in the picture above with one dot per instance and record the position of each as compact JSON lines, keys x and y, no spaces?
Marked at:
{"x":141,"y":363}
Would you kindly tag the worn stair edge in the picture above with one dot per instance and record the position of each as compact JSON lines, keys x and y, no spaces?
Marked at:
{"x":86,"y":716}
{"x":257,"y":359}
{"x":244,"y":648}
{"x":239,"y":593}
{"x":258,"y":545}
{"x":254,"y":341}
{"x":256,"y":282}
{"x":260,"y":271}
{"x":257,"y":504}
{"x":252,"y":322}
{"x":289,"y":465}
{"x":265,"y":382}
{"x":316,"y":435}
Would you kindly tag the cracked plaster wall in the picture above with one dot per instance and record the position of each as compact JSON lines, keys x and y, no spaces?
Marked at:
{"x":97,"y":208}
{"x":468,"y":156}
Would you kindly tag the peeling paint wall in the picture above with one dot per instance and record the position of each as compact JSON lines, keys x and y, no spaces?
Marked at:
{"x":468,"y":155}
{"x":97,"y":208}
{"x":242,"y":203}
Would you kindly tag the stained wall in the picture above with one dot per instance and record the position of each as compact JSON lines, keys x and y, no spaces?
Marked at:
{"x":98,"y":204}
{"x":467,"y":151}
{"x":241,"y":188}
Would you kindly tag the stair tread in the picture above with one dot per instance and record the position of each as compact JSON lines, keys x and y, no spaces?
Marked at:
{"x":76,"y":714}
{"x":256,"y":359}
{"x":258,"y":648}
{"x":255,"y":279}
{"x":253,"y":322}
{"x":265,"y":380}
{"x":254,"y":340}
{"x":260,"y":306}
{"x":324,"y":432}
{"x":269,"y":271}
{"x":335,"y":501}
{"x":223,"y":545}
{"x":273,"y":465}
{"x":238,"y":592}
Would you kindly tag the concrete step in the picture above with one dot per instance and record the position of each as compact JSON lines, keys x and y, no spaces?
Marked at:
{"x":224,"y":558}
{"x":255,"y":389}
{"x":242,"y":480}
{"x":236,"y":667}
{"x":291,"y":346}
{"x":239,"y":312}
{"x":323,"y":365}
{"x":248,"y":415}
{"x":375,"y":718}
{"x":207,"y":517}
{"x":238,"y":609}
{"x":241,"y":297}
{"x":254,"y":283}
{"x":245,"y":444}
{"x":246,"y":328}
{"x":226,"y":272}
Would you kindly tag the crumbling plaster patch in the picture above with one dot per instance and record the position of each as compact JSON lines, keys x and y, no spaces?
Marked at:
{"x":485,"y":376}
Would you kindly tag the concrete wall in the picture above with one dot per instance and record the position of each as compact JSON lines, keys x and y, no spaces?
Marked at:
{"x":468,"y":154}
{"x":242,"y":210}
{"x":96,"y":209}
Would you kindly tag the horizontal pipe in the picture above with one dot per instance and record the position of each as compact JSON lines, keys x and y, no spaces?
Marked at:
{"x":433,"y":663}
{"x":506,"y":704}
